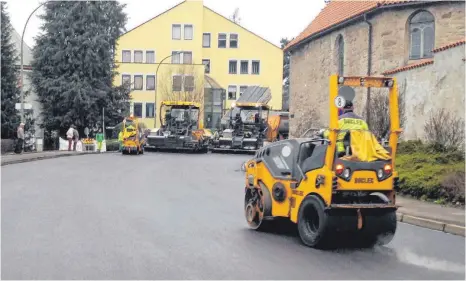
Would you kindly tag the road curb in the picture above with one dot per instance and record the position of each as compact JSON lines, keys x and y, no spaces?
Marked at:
{"x":17,"y":161}
{"x":431,"y":224}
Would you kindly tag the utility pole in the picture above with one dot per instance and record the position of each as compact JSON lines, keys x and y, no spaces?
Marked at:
{"x":157,"y":84}
{"x":103,"y":121}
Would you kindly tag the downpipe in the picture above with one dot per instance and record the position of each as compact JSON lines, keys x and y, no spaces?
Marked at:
{"x":369,"y":66}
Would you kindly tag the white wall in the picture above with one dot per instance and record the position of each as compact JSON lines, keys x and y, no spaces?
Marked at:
{"x":439,"y":85}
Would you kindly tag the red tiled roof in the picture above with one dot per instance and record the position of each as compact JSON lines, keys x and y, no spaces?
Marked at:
{"x":338,"y":11}
{"x":448,"y":46}
{"x":418,"y":64}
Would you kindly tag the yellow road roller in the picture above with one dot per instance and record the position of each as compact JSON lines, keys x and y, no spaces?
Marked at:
{"x":133,"y":142}
{"x":329,"y":196}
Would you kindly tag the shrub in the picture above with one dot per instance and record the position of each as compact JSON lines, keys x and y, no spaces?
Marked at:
{"x":444,"y":130}
{"x":112,"y":145}
{"x":8,"y":145}
{"x":425,"y":172}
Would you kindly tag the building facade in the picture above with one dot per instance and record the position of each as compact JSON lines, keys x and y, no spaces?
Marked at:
{"x":392,"y":38}
{"x":211,"y":44}
{"x":31,"y":97}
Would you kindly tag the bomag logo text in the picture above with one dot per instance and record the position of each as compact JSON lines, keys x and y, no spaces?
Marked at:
{"x":363,"y":180}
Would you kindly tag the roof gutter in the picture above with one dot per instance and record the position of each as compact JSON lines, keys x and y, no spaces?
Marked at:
{"x":355,"y":19}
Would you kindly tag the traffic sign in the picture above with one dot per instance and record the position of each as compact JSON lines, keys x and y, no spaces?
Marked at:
{"x":340,"y":102}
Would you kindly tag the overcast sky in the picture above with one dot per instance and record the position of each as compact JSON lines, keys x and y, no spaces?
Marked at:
{"x":271,"y":19}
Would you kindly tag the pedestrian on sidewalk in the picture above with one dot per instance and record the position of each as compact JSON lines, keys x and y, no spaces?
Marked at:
{"x":99,"y":137}
{"x":20,"y":135}
{"x":69,"y":136}
{"x":75,"y":137}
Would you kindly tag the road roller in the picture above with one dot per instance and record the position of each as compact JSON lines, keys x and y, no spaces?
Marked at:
{"x":329,"y":196}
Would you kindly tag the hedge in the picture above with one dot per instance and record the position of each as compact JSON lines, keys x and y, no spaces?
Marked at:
{"x":431,"y":172}
{"x":8,"y":145}
{"x":112,"y":144}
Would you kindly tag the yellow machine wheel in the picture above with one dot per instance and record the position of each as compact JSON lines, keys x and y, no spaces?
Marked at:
{"x":255,"y":210}
{"x":319,"y":229}
{"x":313,"y":223}
{"x":378,"y":230}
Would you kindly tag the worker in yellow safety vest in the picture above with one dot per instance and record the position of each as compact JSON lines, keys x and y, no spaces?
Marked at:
{"x":347,"y":121}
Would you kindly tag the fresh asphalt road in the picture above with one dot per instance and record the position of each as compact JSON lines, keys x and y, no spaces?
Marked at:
{"x":177,"y":216}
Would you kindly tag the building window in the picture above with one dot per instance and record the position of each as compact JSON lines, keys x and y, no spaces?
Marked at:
{"x":126,"y":80}
{"x":138,"y":56}
{"x":244,"y":67}
{"x":189,"y":83}
{"x":188,"y":32}
{"x":150,"y":109}
{"x":187,"y":57}
{"x":206,"y":40}
{"x":150,"y":57}
{"x":222,"y":40}
{"x":176,"y":31}
{"x":126,"y":56}
{"x":422,"y":35}
{"x":176,"y":57}
{"x":150,"y":82}
{"x":242,"y":89}
{"x":232,"y":92}
{"x":233,"y":40}
{"x":137,"y":111}
{"x":206,"y":63}
{"x":232,"y":67}
{"x":256,"y":67}
{"x":177,"y":83}
{"x":138,"y":82}
{"x":341,"y":55}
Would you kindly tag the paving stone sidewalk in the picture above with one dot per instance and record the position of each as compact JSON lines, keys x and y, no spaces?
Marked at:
{"x":431,"y":211}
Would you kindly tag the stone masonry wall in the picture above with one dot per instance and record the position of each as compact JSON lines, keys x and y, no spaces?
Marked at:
{"x":313,"y":63}
{"x":432,"y":87}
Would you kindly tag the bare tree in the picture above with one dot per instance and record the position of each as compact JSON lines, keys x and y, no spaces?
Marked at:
{"x":183,"y":83}
{"x":235,"y":16}
{"x":445,"y":129}
{"x":379,"y":111}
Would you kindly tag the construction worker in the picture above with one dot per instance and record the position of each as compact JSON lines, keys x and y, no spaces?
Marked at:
{"x":347,"y":121}
{"x":99,"y":137}
{"x":120,"y":140}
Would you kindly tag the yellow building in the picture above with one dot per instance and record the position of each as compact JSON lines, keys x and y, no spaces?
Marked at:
{"x":210,"y":44}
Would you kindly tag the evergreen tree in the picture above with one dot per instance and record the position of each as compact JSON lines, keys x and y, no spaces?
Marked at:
{"x":286,"y":74}
{"x":73,"y":65}
{"x":9,"y":86}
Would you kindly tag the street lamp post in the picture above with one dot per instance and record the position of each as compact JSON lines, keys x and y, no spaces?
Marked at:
{"x":22,"y":66}
{"x":157,"y":84}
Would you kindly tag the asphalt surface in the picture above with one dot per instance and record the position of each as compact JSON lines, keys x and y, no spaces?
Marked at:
{"x":177,"y":216}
